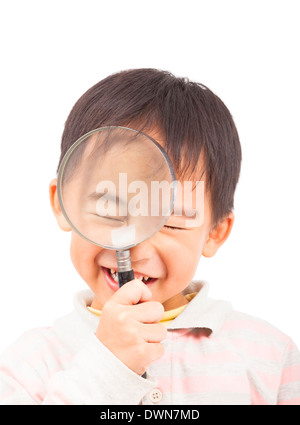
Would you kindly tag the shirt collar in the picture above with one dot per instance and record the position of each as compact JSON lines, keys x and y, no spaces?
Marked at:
{"x":201,"y":311}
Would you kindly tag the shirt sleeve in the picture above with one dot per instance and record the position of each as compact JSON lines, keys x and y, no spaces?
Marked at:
{"x":94,"y":377}
{"x":97,"y":377}
{"x":289,"y":390}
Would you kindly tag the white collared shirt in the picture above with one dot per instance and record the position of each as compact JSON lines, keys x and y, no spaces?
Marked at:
{"x":213,"y":355}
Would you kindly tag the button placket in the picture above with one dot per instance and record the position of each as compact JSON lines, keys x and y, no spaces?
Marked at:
{"x":155,"y":395}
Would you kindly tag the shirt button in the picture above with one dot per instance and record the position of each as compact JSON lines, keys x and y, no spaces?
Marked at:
{"x":155,"y":395}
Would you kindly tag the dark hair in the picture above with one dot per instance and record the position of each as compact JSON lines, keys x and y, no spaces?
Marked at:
{"x":190,"y":119}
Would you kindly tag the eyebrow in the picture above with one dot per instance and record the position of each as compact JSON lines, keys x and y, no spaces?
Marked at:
{"x":98,"y":195}
{"x":185,"y":214}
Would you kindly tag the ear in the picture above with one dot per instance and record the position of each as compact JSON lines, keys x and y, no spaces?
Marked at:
{"x":62,"y":222}
{"x":218,"y":236}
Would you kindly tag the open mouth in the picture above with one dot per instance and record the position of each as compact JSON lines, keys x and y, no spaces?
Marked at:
{"x":112,"y":275}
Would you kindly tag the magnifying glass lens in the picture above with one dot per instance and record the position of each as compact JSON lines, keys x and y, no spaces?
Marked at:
{"x":116,"y":187}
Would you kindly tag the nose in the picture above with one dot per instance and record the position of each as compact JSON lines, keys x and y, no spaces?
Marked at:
{"x":141,"y":252}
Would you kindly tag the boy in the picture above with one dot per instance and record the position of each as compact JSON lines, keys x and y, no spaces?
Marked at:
{"x":159,"y":339}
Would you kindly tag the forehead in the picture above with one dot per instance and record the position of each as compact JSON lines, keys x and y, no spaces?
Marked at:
{"x":126,"y":151}
{"x":112,"y":147}
{"x":183,"y":168}
{"x":184,"y":172}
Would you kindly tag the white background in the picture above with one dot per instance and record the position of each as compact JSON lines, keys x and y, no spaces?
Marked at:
{"x":247,"y":52}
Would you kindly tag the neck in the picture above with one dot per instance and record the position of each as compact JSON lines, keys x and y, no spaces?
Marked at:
{"x":175,"y":302}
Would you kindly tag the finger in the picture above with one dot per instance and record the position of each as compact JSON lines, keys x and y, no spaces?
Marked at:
{"x":156,"y":350}
{"x":147,"y":312}
{"x":132,"y":292}
{"x":153,"y":332}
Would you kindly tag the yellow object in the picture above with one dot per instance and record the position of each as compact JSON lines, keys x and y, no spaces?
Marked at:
{"x":168,"y":315}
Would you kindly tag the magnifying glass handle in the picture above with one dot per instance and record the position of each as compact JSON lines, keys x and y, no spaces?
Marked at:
{"x":125,"y":272}
{"x":125,"y":277}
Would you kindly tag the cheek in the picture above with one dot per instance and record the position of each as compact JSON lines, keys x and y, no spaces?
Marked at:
{"x":183,"y":255}
{"x":83,"y":254}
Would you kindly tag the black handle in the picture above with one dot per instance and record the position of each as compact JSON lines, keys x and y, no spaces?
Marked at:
{"x":125,"y":277}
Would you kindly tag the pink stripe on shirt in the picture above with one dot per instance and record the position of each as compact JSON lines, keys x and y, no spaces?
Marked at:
{"x":205,"y":384}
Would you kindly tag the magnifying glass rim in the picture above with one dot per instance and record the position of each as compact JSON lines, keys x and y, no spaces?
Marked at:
{"x":69,"y":153}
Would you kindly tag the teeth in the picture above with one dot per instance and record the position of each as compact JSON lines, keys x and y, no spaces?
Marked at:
{"x":144,"y":278}
{"x":114,"y":275}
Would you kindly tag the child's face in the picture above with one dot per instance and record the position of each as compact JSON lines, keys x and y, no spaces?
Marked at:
{"x":170,"y":258}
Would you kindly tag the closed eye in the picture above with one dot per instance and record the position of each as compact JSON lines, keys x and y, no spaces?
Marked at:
{"x":174,"y":228}
{"x":110,"y":218}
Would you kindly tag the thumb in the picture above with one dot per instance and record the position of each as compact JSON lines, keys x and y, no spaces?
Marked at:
{"x":132,"y":292}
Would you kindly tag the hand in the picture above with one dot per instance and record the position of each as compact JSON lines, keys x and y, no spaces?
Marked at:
{"x":129,"y":326}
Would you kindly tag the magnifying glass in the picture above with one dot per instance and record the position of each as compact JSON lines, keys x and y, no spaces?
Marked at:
{"x":116,"y":188}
